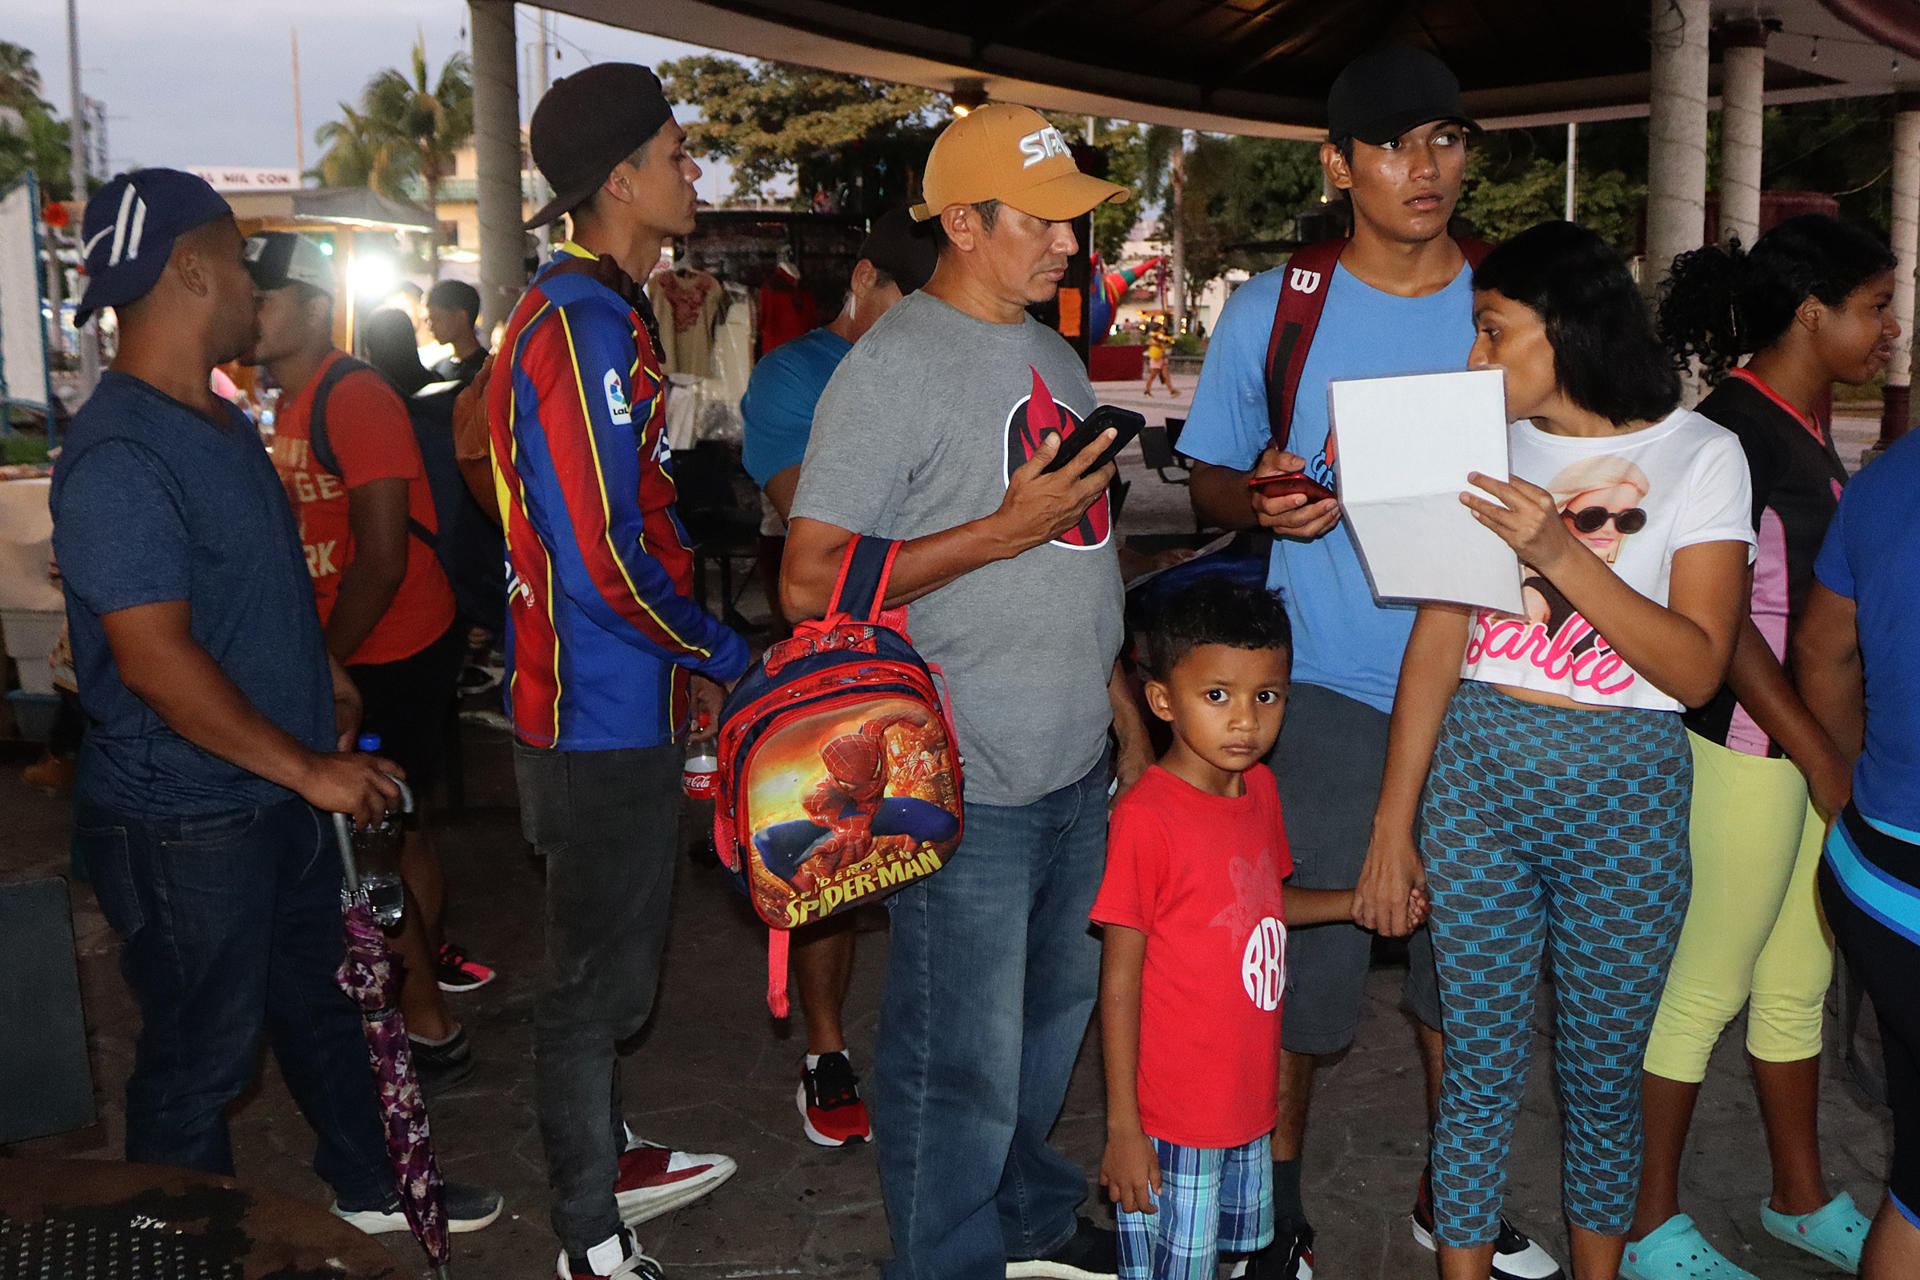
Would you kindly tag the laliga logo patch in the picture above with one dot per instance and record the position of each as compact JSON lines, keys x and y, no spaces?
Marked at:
{"x":1040,"y":144}
{"x":1303,"y":280}
{"x":617,"y":407}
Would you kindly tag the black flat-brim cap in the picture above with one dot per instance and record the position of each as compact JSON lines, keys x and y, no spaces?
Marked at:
{"x":1386,"y":91}
{"x":586,"y":124}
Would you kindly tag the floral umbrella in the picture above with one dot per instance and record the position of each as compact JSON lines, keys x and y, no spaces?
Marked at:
{"x":370,"y":976}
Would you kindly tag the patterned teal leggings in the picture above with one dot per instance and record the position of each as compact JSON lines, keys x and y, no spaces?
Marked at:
{"x":1563,"y":833}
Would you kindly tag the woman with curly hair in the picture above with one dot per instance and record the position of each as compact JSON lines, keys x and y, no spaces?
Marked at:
{"x":1811,"y":306}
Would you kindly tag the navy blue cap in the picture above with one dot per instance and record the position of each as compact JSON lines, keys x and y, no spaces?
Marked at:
{"x":129,"y":230}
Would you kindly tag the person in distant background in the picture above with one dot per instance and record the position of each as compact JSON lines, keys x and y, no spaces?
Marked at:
{"x":453,"y":308}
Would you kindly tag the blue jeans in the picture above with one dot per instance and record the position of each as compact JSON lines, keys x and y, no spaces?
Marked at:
{"x":230,"y":930}
{"x":991,"y":975}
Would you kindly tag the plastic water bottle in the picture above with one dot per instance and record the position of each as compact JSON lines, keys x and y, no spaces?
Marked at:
{"x":376,"y":852}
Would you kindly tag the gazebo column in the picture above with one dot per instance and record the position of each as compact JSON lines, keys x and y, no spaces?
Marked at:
{"x":1895,"y":404}
{"x":1742,"y":83}
{"x":496,"y":142}
{"x":1677,"y":136}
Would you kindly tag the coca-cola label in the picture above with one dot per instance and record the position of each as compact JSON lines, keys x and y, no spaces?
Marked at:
{"x":701,"y":777}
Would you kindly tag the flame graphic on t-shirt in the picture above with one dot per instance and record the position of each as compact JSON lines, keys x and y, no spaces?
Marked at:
{"x":1028,"y":423}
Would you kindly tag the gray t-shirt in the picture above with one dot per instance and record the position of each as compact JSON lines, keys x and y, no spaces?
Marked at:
{"x":916,"y":433}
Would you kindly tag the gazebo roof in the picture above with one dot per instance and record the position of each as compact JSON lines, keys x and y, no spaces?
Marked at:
{"x":1263,"y":66}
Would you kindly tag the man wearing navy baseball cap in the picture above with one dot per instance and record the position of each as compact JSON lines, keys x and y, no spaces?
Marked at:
{"x":220,"y":725}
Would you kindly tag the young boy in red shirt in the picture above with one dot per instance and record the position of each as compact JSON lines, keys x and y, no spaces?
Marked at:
{"x":1194,"y":962}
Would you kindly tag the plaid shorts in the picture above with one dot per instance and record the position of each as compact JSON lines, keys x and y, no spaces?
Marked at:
{"x":1211,"y":1199}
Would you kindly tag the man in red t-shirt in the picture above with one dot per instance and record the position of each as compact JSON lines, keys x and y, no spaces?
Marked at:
{"x":360,"y":495}
{"x":1194,"y":959}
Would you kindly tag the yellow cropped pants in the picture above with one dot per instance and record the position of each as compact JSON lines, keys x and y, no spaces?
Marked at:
{"x":1753,"y":934}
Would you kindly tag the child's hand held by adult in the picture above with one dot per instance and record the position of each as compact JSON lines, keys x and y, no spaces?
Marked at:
{"x":1130,"y":1171}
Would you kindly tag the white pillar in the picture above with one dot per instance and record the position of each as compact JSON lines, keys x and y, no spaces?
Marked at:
{"x":1906,"y":251}
{"x":496,"y":139}
{"x":1677,"y":135}
{"x":1742,"y":82}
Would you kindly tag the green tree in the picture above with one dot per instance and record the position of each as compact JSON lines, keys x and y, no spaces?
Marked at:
{"x":30,"y":137}
{"x":833,"y":132}
{"x":1242,"y":196}
{"x":1124,"y":144}
{"x":407,"y":128}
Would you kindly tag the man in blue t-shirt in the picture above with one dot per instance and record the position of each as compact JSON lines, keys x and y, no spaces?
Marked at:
{"x":1399,"y":301}
{"x":1856,"y":661}
{"x":219,"y":720}
{"x":896,"y":258}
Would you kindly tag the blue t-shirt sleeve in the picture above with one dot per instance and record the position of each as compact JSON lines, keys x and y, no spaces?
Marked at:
{"x":778,"y":414}
{"x":119,"y":531}
{"x":1830,"y":566}
{"x":1227,"y":422}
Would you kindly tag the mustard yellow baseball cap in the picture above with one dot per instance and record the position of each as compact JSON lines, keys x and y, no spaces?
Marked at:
{"x":1010,"y":154}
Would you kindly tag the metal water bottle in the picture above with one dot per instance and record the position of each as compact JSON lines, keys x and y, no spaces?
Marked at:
{"x":376,"y":851}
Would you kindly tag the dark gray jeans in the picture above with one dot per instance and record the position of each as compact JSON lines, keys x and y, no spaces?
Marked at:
{"x":607,"y":823}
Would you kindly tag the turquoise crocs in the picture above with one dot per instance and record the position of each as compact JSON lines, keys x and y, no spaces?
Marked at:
{"x":1675,"y":1250}
{"x":1835,"y":1231}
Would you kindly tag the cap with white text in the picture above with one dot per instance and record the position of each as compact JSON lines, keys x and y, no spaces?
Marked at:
{"x":276,"y":259}
{"x":1010,"y":154}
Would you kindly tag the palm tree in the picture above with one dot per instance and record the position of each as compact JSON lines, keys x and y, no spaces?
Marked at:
{"x":407,"y":126}
{"x":20,"y":83}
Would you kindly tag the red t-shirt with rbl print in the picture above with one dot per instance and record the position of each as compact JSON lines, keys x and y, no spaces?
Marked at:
{"x":1200,"y":875}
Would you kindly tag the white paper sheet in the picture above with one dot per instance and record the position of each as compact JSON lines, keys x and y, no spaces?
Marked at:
{"x":1404,"y":447}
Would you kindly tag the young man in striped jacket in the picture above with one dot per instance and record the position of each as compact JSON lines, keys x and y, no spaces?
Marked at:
{"x":608,"y":653}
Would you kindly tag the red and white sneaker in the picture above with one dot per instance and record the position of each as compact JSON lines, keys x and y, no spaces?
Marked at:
{"x":829,"y":1100}
{"x":655,"y":1180}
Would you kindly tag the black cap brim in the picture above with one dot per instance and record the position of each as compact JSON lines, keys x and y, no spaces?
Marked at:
{"x":1393,"y":127}
{"x":561,"y":205}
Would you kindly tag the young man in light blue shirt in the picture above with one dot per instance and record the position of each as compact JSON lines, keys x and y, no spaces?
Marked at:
{"x":1400,"y":300}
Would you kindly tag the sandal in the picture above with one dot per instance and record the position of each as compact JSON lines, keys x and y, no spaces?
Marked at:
{"x":1675,"y":1250}
{"x":1834,"y":1232}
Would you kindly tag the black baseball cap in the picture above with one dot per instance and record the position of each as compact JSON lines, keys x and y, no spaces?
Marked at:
{"x":902,"y":248}
{"x":586,"y":124}
{"x":128,"y":230}
{"x":1385,"y":92}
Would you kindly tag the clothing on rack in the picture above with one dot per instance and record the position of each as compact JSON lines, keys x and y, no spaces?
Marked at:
{"x":686,"y":302}
{"x":786,"y":309}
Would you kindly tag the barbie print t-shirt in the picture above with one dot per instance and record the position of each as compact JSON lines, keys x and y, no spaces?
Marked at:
{"x":1633,"y":500}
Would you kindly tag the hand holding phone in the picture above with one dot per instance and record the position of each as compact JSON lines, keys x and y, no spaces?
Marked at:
{"x":1280,"y":484}
{"x":1124,"y":423}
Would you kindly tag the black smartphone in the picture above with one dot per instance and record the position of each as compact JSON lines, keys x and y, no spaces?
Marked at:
{"x":1125,"y":424}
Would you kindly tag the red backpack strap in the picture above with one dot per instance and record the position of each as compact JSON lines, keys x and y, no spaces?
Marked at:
{"x":860,"y":591}
{"x":1303,"y":292}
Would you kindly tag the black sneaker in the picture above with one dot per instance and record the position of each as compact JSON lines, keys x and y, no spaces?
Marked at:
{"x":1090,"y":1253}
{"x":630,"y":1265}
{"x":469,"y":1208}
{"x":456,"y":971}
{"x":442,"y":1066}
{"x":1515,"y":1257}
{"x":831,"y":1111}
{"x":1289,"y":1257}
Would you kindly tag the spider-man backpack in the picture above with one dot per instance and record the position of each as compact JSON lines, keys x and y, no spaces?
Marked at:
{"x":839,"y":778}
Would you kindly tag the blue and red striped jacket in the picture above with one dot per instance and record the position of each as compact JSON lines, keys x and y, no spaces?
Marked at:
{"x":603,"y":633}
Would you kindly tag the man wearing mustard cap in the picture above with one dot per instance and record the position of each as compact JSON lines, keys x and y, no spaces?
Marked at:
{"x":935,"y":431}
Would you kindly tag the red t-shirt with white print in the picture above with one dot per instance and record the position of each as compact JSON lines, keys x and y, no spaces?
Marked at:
{"x":1200,"y":875}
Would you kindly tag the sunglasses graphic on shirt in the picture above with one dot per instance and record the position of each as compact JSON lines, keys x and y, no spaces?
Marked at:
{"x":1589,"y":519}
